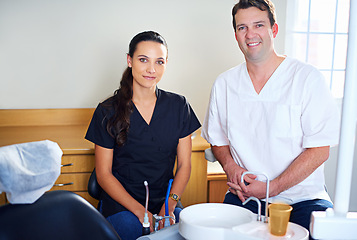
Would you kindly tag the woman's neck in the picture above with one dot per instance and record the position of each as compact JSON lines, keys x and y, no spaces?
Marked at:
{"x":145,"y":101}
{"x":143,"y":95}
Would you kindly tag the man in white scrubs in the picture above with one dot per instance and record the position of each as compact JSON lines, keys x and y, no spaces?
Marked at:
{"x":271,"y":114}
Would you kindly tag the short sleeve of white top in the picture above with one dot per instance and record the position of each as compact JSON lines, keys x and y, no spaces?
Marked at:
{"x":267,"y":131}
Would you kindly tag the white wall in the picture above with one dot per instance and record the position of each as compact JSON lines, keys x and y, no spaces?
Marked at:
{"x":71,"y":53}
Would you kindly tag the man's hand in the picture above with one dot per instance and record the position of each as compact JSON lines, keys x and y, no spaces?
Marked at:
{"x":240,"y":188}
{"x":254,"y":188}
{"x":233,"y":170}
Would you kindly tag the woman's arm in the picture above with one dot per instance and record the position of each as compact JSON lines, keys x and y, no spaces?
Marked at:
{"x":111,"y":185}
{"x":183,"y":172}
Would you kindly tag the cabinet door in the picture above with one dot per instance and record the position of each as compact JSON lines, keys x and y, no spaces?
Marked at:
{"x":72,"y":182}
{"x":2,"y":199}
{"x":75,"y":173}
{"x":217,"y":188}
{"x":196,"y":189}
{"x":77,"y":163}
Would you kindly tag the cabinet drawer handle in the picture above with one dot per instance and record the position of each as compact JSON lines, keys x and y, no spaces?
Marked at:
{"x":67,"y":165}
{"x":63,"y":184}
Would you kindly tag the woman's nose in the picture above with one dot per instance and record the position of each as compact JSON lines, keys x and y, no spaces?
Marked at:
{"x":150,"y":68}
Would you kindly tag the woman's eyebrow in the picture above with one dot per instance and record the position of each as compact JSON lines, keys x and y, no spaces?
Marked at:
{"x":144,"y":56}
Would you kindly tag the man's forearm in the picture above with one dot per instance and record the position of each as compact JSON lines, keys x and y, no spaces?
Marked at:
{"x":231,"y":168}
{"x":223,"y":156}
{"x":302,"y":167}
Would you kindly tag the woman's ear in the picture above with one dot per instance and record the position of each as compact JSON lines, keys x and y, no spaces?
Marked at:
{"x":129,"y":60}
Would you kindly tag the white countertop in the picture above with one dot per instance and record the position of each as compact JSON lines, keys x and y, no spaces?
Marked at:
{"x":214,"y":168}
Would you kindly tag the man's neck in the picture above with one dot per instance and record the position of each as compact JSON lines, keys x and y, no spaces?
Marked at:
{"x":260,"y":72}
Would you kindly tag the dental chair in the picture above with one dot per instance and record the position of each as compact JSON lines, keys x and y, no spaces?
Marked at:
{"x":27,"y":172}
{"x":209,"y":155}
{"x":56,"y":215}
{"x":94,"y":189}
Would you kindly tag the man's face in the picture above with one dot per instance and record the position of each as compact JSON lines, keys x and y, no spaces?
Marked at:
{"x":254,"y":34}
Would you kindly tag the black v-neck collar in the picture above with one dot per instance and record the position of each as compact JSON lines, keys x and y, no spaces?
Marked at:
{"x":154,"y":113}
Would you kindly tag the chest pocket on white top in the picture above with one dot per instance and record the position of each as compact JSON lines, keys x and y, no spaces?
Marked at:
{"x":287,"y":121}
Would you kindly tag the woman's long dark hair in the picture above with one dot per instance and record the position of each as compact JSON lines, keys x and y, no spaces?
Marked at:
{"x":118,"y":124}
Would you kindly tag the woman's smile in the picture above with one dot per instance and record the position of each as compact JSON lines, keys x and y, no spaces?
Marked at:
{"x":149,"y":77}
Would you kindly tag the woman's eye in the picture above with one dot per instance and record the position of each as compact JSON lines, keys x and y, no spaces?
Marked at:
{"x":142,"y":59}
{"x":160,"y":62}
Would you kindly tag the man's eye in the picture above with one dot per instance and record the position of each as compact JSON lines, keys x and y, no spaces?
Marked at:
{"x":241,"y":28}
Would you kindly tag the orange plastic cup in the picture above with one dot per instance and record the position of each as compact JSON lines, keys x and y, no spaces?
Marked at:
{"x":279,"y":215}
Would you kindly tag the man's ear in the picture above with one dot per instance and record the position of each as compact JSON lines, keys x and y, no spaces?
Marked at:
{"x":275,"y":29}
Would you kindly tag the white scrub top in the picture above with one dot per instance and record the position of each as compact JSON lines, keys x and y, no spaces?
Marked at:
{"x":267,"y":131}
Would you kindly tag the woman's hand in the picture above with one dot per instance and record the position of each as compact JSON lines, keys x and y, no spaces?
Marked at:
{"x":162,"y":213}
{"x":140,"y":213}
{"x":111,"y":185}
{"x":182,"y":176}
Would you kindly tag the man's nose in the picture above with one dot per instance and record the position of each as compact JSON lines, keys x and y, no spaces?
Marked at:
{"x":250,"y":33}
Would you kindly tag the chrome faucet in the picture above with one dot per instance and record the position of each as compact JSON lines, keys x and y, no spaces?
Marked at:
{"x":259,"y":218}
{"x":157,"y":219}
{"x":254,"y":198}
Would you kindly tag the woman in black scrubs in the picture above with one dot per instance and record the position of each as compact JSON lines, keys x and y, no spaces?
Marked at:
{"x":138,"y":133}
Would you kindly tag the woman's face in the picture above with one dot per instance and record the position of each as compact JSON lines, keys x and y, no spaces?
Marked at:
{"x":148,"y":64}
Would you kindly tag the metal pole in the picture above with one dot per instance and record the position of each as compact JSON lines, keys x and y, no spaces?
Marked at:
{"x":348,"y":121}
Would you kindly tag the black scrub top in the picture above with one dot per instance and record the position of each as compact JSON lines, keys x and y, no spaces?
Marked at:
{"x":150,"y":150}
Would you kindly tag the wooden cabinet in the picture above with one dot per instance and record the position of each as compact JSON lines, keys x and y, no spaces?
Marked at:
{"x":217,"y":187}
{"x":2,"y":198}
{"x":196,"y":189}
{"x":67,"y":127}
{"x":75,"y":172}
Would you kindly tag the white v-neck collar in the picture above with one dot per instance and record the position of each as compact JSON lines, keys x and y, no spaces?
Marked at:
{"x":273,"y":83}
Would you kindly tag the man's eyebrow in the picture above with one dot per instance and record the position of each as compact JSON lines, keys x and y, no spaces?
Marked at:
{"x":261,"y":21}
{"x":244,"y":24}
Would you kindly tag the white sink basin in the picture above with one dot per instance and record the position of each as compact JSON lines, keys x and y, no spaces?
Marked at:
{"x":210,"y":220}
{"x":218,"y":221}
